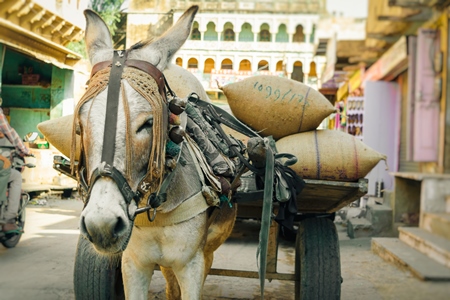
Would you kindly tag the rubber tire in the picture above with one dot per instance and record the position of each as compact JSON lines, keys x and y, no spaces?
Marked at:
{"x":14,"y":238}
{"x":96,"y":277}
{"x":317,"y":260}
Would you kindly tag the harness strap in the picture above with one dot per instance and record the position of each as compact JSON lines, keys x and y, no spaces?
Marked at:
{"x":224,"y":117}
{"x":266,"y":217}
{"x":185,"y":211}
{"x":215,"y":212}
{"x":109,"y":135}
{"x":203,"y":168}
{"x":157,"y":198}
{"x":106,"y":170}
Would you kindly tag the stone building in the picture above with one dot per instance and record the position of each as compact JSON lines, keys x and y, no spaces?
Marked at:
{"x":232,"y":39}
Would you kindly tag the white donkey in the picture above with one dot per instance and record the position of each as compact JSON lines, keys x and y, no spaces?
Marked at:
{"x":181,"y":240}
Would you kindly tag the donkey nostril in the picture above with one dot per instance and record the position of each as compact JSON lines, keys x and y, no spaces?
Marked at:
{"x":120,"y":226}
{"x":84,"y":230}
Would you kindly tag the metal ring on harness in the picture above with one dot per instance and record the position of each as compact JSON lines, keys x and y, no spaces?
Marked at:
{"x":151,"y":218}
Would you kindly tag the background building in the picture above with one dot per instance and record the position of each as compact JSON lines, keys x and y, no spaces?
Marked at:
{"x":233,"y":39}
{"x":40,"y":76}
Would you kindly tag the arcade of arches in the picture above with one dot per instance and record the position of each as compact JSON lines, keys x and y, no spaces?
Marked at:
{"x":245,"y":66}
{"x":247,"y":33}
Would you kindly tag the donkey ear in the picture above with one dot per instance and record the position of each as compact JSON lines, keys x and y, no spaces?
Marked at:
{"x":172,"y":40}
{"x":97,"y":36}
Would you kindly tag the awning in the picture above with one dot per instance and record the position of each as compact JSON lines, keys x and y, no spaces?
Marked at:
{"x":342,"y":92}
{"x":35,"y":46}
{"x":391,"y":63}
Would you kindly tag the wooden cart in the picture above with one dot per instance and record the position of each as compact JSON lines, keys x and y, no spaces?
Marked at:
{"x":317,"y":256}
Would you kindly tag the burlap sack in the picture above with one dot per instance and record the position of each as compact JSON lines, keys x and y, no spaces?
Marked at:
{"x":58,"y":133}
{"x":183,"y":82}
{"x":277,"y":106}
{"x":329,"y":155}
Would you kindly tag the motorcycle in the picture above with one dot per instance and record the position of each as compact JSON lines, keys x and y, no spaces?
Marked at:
{"x":11,"y":239}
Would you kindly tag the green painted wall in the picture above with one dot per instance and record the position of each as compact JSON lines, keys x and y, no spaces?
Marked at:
{"x":28,"y":105}
{"x":2,"y":56}
{"x":25,"y":96}
{"x":61,"y":91}
{"x":16,"y":64}
{"x":25,"y":120}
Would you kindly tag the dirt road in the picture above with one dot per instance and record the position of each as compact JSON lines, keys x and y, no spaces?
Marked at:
{"x":41,"y":266}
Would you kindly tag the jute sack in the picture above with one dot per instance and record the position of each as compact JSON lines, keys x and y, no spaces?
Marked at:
{"x":277,"y":106}
{"x":183,"y":82}
{"x":58,"y":131}
{"x":329,"y":155}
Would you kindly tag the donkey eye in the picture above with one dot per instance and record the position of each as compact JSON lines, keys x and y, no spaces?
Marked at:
{"x":146,"y":127}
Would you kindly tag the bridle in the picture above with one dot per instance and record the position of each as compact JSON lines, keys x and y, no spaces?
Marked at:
{"x":106,"y":167}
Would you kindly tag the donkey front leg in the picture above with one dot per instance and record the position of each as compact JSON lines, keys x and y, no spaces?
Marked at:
{"x":190,"y":277}
{"x":136,"y":279}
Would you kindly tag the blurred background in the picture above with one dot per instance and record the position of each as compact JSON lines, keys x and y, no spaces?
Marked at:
{"x":382,"y":63}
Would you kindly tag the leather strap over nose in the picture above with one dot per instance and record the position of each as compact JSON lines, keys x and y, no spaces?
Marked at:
{"x":112,"y":106}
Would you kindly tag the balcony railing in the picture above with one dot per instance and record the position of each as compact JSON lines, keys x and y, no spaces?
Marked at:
{"x":248,"y":46}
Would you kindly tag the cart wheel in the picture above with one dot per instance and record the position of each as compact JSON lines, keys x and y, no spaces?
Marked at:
{"x":96,"y":276}
{"x":317,"y":260}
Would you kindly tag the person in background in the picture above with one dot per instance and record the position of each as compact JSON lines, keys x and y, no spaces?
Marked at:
{"x":15,"y":177}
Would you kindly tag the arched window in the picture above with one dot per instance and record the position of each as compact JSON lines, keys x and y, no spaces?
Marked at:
{"x":245,"y":65}
{"x":227,"y":64}
{"x":282,"y":35}
{"x":211,"y":34}
{"x":313,"y":34}
{"x":192,"y":63}
{"x":263,"y":65}
{"x":209,"y":65}
{"x":229,"y":35}
{"x":179,"y":61}
{"x":299,"y":36}
{"x":228,"y":32}
{"x":195,"y":34}
{"x":312,"y":69}
{"x":264,"y":34}
{"x":246,"y":34}
{"x":297,"y":73}
{"x":280,"y":66}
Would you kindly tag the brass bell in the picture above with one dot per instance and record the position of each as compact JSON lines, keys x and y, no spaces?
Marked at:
{"x":177,"y":105}
{"x":176,"y":134}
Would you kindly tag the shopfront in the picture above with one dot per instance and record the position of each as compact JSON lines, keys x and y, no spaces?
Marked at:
{"x":33,"y":91}
{"x":39,"y":76}
{"x":374,"y":109}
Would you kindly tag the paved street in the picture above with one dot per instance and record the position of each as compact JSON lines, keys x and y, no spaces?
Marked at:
{"x":41,"y":266}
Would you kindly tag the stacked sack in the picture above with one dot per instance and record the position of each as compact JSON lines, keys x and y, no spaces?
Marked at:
{"x":290,"y":111}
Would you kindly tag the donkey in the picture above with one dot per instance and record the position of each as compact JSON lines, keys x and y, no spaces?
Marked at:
{"x":182,"y":246}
